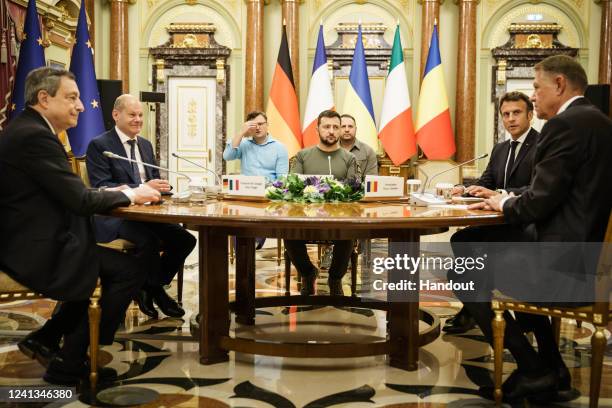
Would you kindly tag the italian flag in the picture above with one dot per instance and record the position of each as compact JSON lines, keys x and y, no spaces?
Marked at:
{"x":396,"y":128}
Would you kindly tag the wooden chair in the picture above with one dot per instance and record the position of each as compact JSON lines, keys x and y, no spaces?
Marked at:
{"x":354,"y":260}
{"x":598,"y":314}
{"x":11,"y":290}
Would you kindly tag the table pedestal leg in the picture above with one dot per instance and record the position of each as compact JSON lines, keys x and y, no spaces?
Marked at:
{"x":403,"y":313}
{"x":214,"y":302}
{"x":245,"y":281}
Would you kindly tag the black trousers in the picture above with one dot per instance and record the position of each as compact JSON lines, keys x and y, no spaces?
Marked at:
{"x":299,"y":256}
{"x":150,"y":238}
{"x":465,"y":243}
{"x":121,"y":276}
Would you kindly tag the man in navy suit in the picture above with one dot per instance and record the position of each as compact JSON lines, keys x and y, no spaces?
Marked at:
{"x":508,"y":171}
{"x":175,"y":241}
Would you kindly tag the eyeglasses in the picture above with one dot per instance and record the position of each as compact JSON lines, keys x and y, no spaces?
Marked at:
{"x":260,"y":124}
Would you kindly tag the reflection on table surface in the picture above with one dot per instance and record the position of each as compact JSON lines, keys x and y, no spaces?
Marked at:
{"x":365,"y":212}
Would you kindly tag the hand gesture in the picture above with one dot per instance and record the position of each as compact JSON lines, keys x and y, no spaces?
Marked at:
{"x":248,"y":128}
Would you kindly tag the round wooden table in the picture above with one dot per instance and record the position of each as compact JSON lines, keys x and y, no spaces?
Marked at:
{"x":217,"y":220}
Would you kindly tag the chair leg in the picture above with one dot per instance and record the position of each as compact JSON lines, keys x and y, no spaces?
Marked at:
{"x":179,"y":285}
{"x":279,"y":251}
{"x":598,"y":345}
{"x":499,"y":326}
{"x":232,"y":252}
{"x":94,"y":313}
{"x":354,"y":259}
{"x":556,"y":325}
{"x":287,"y":274}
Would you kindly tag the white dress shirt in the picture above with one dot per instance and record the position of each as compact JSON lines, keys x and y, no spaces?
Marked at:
{"x":128,"y":151}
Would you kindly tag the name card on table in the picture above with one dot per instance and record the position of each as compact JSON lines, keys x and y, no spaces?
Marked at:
{"x":383,"y":186}
{"x":246,"y":186}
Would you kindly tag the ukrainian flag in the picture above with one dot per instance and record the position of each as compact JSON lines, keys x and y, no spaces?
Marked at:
{"x":358,"y":99}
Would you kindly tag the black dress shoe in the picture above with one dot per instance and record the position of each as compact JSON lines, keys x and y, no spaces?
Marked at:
{"x":565,"y":391}
{"x":519,"y":386}
{"x":145,"y":303}
{"x":335,"y":287}
{"x":70,"y":373}
{"x":459,"y":324}
{"x":35,"y":347}
{"x":166,"y":304}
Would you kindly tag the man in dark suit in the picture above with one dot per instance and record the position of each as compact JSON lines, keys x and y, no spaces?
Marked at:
{"x":46,"y":239}
{"x":176,"y":242}
{"x":509,"y":171}
{"x":569,"y":200}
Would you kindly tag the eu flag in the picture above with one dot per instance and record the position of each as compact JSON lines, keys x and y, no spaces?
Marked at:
{"x":91,"y":123}
{"x":31,"y":56}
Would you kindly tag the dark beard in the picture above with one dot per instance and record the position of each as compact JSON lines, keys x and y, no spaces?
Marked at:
{"x":326,"y":143}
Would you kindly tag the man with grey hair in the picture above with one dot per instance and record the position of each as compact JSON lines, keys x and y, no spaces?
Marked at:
{"x":46,"y":238}
{"x":568,"y":200}
{"x":149,"y":237}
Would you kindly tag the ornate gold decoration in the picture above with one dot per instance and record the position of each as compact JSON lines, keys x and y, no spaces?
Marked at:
{"x":501,"y":72}
{"x":192,"y":118}
{"x":534,"y":35}
{"x":159,"y":63}
{"x":597,"y":318}
{"x":190,"y":41}
{"x":371,"y":34}
{"x":191,"y":2}
{"x":220,"y":63}
{"x":533,"y":41}
{"x":185,"y":35}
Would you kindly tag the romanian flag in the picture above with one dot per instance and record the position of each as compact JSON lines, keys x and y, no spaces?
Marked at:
{"x":283,"y":112}
{"x":358,"y":100}
{"x":433,"y":125}
{"x":31,"y":56}
{"x":396,"y":127}
{"x":320,"y":96}
{"x":372,"y":187}
{"x":90,"y":123}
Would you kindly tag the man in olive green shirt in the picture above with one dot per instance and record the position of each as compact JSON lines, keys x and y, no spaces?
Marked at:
{"x":325,"y":158}
{"x":367,"y":164}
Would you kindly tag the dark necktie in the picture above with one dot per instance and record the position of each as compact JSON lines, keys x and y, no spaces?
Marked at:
{"x":513,"y":145}
{"x":135,"y":170}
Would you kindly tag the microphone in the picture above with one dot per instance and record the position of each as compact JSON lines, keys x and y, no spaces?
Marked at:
{"x":329,"y":164}
{"x":428,"y":179}
{"x":116,"y":156}
{"x":217,"y":178}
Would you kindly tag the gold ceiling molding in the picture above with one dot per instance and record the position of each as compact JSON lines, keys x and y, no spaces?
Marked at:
{"x":191,"y":28}
{"x":341,"y":27}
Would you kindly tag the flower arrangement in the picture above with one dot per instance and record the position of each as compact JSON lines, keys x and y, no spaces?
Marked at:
{"x":314,"y":189}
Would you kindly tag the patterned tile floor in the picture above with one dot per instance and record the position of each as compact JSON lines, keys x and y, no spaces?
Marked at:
{"x":162,"y":355}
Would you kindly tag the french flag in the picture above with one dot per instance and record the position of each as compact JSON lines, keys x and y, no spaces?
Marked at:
{"x":320,"y":96}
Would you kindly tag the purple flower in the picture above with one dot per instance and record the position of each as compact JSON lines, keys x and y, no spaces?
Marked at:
{"x":324,"y":188}
{"x":312,"y":181}
{"x":277,"y":184}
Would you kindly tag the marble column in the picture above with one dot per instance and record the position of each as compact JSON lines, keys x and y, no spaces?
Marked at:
{"x":119,"y":50}
{"x":253,"y":84}
{"x":465,"y":102}
{"x":605,"y":49}
{"x":91,"y":13}
{"x":430,"y":12}
{"x":291,"y":16}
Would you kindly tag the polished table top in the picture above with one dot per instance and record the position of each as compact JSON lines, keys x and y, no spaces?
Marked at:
{"x":358,"y":215}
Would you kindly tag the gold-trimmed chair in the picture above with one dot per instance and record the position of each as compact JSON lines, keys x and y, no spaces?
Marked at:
{"x":11,"y":290}
{"x":599,"y":314}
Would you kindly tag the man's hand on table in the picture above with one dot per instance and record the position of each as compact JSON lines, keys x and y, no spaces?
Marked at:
{"x":144,"y":194}
{"x":491,"y":204}
{"x":479,"y":191}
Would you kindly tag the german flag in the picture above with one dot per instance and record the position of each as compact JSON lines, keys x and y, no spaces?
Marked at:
{"x":283,"y":112}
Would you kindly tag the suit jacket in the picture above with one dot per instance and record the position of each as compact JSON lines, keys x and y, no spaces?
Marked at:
{"x":104,"y":171}
{"x":46,"y":237}
{"x":569,"y":198}
{"x":520,"y":174}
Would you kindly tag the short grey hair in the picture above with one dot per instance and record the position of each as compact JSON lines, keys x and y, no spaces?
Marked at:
{"x":122,"y":100}
{"x":44,"y":79}
{"x":566,"y":66}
